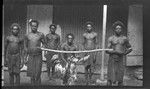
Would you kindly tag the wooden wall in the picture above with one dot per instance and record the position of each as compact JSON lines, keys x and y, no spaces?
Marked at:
{"x":72,"y":18}
{"x":135,"y":34}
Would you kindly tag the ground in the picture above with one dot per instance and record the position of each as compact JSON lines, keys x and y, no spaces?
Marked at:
{"x":129,"y":78}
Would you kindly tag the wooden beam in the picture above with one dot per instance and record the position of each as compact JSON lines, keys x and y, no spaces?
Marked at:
{"x":3,"y":39}
{"x":75,"y":2}
{"x":103,"y":40}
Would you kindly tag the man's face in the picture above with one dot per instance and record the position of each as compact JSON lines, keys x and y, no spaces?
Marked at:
{"x":70,"y":39}
{"x":52,"y":29}
{"x":118,"y":29}
{"x":34,"y":26}
{"x":15,"y":30}
{"x":89,"y":27}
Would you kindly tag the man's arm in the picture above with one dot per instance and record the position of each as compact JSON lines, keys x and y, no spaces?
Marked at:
{"x":96,"y":44}
{"x":58,"y":43}
{"x":46,"y":44}
{"x":128,"y":47}
{"x":76,"y":49}
{"x":110,"y":46}
{"x":43,"y":40}
{"x":84,"y":58}
{"x":5,"y":50}
{"x":25,"y":48}
{"x":62,"y":54}
{"x":25,"y":43}
{"x":46,"y":41}
{"x":96,"y":41}
{"x":84,"y":40}
{"x":21,"y":45}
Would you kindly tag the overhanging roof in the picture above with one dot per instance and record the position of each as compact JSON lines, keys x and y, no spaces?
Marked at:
{"x":71,"y":2}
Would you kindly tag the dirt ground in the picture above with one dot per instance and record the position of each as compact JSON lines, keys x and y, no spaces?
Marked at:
{"x":25,"y":81}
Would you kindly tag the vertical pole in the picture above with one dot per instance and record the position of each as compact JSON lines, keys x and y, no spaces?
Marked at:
{"x":27,"y":28}
{"x":103,"y":40}
{"x":27,"y":23}
{"x":3,"y":51}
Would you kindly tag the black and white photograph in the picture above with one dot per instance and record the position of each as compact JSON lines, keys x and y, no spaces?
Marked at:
{"x":72,"y":43}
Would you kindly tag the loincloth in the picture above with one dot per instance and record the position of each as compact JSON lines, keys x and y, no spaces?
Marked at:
{"x":115,"y":68}
{"x":34,"y":65}
{"x":14,"y":62}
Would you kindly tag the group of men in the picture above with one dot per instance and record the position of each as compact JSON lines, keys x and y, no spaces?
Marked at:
{"x":16,"y":48}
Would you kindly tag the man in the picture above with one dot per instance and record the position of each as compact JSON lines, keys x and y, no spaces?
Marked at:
{"x":33,"y":41}
{"x":13,"y":52}
{"x":68,"y":46}
{"x":121,"y":47}
{"x":52,"y":41}
{"x":90,"y":43}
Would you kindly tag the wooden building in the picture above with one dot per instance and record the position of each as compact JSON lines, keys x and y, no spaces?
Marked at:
{"x":71,"y":16}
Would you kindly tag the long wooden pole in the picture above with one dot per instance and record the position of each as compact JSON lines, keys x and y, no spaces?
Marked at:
{"x":85,"y":51}
{"x":103,"y":40}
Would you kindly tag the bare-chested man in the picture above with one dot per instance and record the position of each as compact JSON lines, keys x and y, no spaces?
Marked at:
{"x":68,"y":46}
{"x":121,"y":47}
{"x":13,"y":52}
{"x":90,"y":43}
{"x":33,"y":40}
{"x":52,"y":41}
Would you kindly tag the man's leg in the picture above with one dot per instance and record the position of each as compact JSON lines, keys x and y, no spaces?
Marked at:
{"x":49,"y":68}
{"x":87,"y":74}
{"x":90,"y":73}
{"x":11,"y":79}
{"x":66,"y":77}
{"x":38,"y":80}
{"x":65,"y":80}
{"x":38,"y":69}
{"x":120,"y":72}
{"x":53,"y":69}
{"x":17,"y":75}
{"x":109,"y":83}
{"x":120,"y":83}
{"x":52,"y":64}
{"x":33,"y":80}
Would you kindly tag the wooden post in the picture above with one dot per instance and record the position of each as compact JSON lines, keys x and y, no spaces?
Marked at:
{"x":3,"y":51}
{"x":27,"y":23}
{"x":103,"y":40}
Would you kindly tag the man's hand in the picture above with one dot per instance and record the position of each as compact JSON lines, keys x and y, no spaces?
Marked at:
{"x":55,"y":57}
{"x":45,"y":53}
{"x":114,"y":52}
{"x":22,"y":61}
{"x":26,"y":50}
{"x":25,"y":58}
{"x":128,"y":51}
{"x":110,"y":52}
{"x":97,"y":47}
{"x":84,"y":58}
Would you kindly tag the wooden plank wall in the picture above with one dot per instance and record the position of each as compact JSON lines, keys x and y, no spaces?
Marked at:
{"x":135,"y":33}
{"x":71,"y":18}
